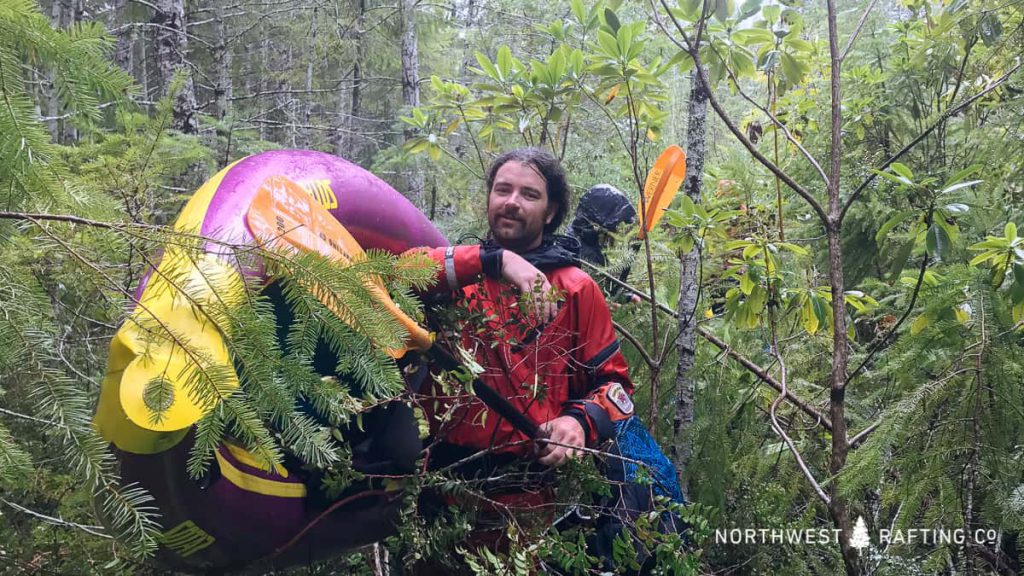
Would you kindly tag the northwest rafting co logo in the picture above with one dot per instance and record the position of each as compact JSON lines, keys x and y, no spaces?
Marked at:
{"x":860,"y":537}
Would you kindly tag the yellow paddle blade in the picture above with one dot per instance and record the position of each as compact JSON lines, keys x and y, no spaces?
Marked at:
{"x":663,"y":182}
{"x":282,"y":214}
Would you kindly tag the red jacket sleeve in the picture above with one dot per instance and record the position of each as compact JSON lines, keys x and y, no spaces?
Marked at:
{"x":601,"y":388}
{"x":457,"y":266}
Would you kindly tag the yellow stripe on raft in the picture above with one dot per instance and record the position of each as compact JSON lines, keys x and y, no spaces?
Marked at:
{"x":246,"y":457}
{"x":259,"y":485}
{"x":168,"y":362}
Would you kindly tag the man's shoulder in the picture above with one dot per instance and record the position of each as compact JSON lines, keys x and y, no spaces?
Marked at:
{"x":570,"y":278}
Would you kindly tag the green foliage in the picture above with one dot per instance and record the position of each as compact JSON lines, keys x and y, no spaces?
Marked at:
{"x":30,"y":172}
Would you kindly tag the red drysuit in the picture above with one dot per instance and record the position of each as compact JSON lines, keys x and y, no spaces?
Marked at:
{"x":572,"y":366}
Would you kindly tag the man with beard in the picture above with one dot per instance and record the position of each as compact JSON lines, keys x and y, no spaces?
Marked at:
{"x":553,"y":355}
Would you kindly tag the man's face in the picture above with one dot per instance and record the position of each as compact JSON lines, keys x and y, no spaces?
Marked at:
{"x":518,"y":207}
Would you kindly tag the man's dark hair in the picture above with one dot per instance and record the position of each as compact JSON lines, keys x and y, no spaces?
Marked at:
{"x":549,"y":168}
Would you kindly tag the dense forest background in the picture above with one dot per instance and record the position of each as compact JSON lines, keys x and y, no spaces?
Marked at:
{"x":838,"y":292}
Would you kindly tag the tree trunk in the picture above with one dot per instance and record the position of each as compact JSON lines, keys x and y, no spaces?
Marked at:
{"x":466,"y":16}
{"x":411,"y":89}
{"x":308,"y":108}
{"x":840,"y":345}
{"x":125,"y":36}
{"x":263,"y":84}
{"x":172,"y":47}
{"x":223,"y":90}
{"x":689,"y":281}
{"x":142,"y":74}
{"x":347,"y":140}
{"x":53,"y":102}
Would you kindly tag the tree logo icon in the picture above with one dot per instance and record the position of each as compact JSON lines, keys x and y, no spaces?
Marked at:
{"x":859,"y":539}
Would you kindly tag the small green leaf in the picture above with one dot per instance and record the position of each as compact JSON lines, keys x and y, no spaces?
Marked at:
{"x":899,"y":262}
{"x":757,"y":299}
{"x":821,"y":310}
{"x":956,"y":187}
{"x":798,"y":44}
{"x":902,"y":181}
{"x":504,"y":62}
{"x":962,"y":313}
{"x":889,"y":224}
{"x":752,"y":36}
{"x":808,"y":317}
{"x":902,"y":170}
{"x":922,"y":322}
{"x":1010,"y":231}
{"x":578,"y":11}
{"x":609,"y":44}
{"x":792,"y":68}
{"x":747,"y":284}
{"x":612,"y":20}
{"x":970,"y":170}
{"x":749,"y":8}
{"x":1018,"y":313}
{"x":742,"y":62}
{"x":998,"y":275}
{"x":794,"y":248}
{"x":984,"y":256}
{"x":1016,"y":293}
{"x":686,"y":205}
{"x":723,"y":9}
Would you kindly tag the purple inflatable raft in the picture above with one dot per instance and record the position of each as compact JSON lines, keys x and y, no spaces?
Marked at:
{"x":243,"y":513}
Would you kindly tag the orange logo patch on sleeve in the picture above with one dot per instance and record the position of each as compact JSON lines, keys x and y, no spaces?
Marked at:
{"x":620,"y":398}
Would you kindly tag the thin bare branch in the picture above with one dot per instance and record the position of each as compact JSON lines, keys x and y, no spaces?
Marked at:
{"x":856,"y":31}
{"x":94,"y":530}
{"x":31,"y":418}
{"x":767,"y":378}
{"x":636,"y":344}
{"x":775,"y":420}
{"x":906,"y":314}
{"x":861,"y":436}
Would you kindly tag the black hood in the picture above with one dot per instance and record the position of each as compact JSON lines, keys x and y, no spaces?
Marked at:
{"x":602,"y":208}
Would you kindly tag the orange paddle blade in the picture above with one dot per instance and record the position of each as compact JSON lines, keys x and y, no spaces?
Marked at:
{"x":283,"y":214}
{"x":663,"y":182}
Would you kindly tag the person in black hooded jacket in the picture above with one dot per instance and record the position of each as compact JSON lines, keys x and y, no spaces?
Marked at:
{"x":600,"y":214}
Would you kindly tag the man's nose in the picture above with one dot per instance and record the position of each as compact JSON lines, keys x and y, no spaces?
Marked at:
{"x":513,"y":201}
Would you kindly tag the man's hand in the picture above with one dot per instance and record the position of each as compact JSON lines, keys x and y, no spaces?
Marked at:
{"x":530,"y":281}
{"x":563,"y":430}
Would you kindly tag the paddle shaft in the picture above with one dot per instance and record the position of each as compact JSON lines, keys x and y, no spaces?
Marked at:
{"x":491,"y":397}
